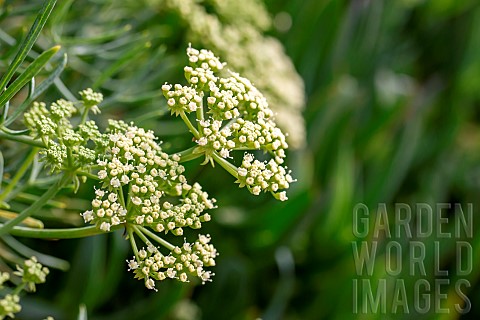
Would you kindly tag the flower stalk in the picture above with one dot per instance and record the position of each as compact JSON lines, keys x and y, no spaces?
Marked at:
{"x":49,"y":194}
{"x":60,"y":233}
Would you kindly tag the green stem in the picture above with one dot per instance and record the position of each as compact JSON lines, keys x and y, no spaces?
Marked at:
{"x":69,"y":157}
{"x":129,"y":204}
{"x":161,"y":241}
{"x":132,"y":242}
{"x":225,"y":164}
{"x":190,"y":154}
{"x":20,"y":172}
{"x":189,"y":125}
{"x":49,"y":194}
{"x":141,"y":236}
{"x":67,"y":233}
{"x":84,"y":116}
{"x":19,"y":288}
{"x":200,"y":116}
{"x":121,"y":197}
{"x":87,"y":174}
{"x":22,"y":139}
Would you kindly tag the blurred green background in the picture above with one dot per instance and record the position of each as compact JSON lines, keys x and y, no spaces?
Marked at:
{"x":391,"y":109}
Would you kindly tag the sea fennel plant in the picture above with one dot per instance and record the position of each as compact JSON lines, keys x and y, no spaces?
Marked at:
{"x":143,"y":189}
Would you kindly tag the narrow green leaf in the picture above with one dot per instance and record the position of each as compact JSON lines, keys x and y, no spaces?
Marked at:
{"x":38,"y":91}
{"x":45,"y":259}
{"x":27,"y":75}
{"x":37,"y":167}
{"x":2,"y":164}
{"x":27,"y":44}
{"x":119,"y":64}
{"x":31,"y":89}
{"x":15,"y":132}
{"x":21,"y":138}
{"x":5,"y":112}
{"x":64,"y":90}
{"x":99,"y":38}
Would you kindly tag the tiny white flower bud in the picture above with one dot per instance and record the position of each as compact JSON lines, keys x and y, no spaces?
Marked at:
{"x":115,"y":183}
{"x":105,"y":226}
{"x":102,"y":174}
{"x":142,"y":254}
{"x":242,"y":172}
{"x":112,"y":197}
{"x":132,"y":264}
{"x":87,"y":216}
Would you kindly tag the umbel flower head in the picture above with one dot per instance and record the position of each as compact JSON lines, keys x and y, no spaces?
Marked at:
{"x":32,"y":272}
{"x":9,"y":305}
{"x":231,"y":114}
{"x":158,"y":195}
{"x":66,"y":147}
{"x":183,"y":262}
{"x":144,"y":189}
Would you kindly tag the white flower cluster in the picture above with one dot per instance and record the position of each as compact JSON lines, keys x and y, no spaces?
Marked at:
{"x":214,"y":138}
{"x":40,"y":122}
{"x":32,"y":272}
{"x":62,"y":110}
{"x":135,"y":161}
{"x":89,"y":131}
{"x":181,"y":99}
{"x":239,"y":118}
{"x":64,"y":144}
{"x":235,"y":31}
{"x":10,"y":305}
{"x":141,"y":187}
{"x":55,"y":154}
{"x":205,"y":59}
{"x":91,"y":99}
{"x":182,"y":263}
{"x":264,"y":176}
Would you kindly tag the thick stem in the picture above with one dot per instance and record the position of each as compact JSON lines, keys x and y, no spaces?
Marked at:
{"x":67,"y":233}
{"x":50,"y":193}
{"x":20,"y":172}
{"x":22,"y":138}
